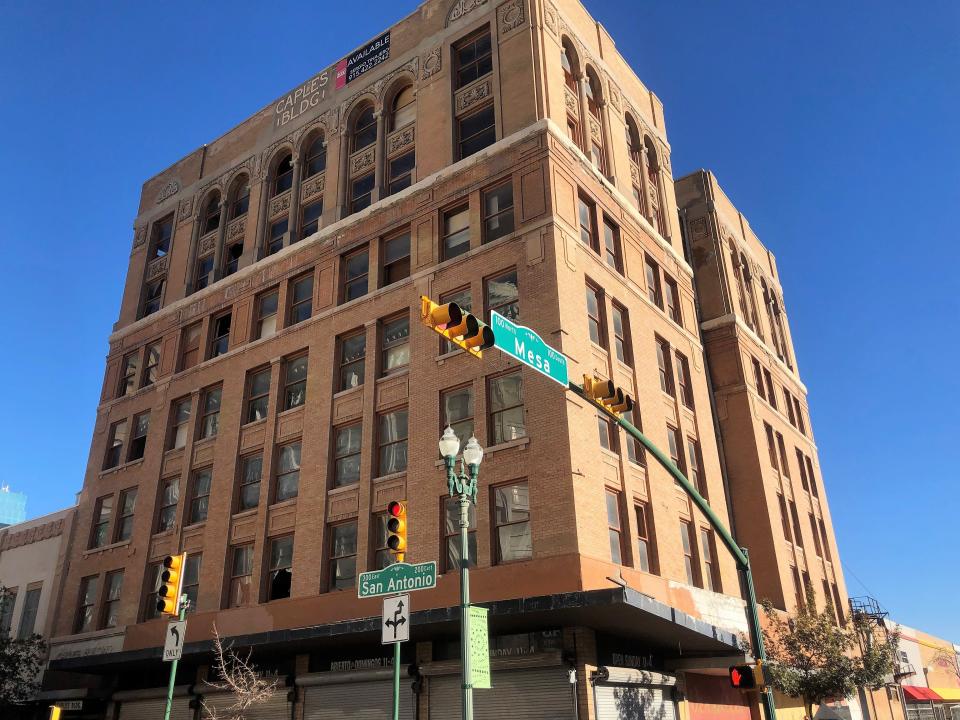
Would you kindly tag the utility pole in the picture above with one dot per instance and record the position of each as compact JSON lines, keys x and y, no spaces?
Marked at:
{"x":183,"y":602}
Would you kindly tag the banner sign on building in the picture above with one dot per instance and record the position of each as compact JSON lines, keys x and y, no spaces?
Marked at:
{"x":479,"y":648}
{"x":366,"y":58}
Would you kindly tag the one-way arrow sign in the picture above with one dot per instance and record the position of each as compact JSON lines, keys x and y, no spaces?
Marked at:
{"x":396,"y":619}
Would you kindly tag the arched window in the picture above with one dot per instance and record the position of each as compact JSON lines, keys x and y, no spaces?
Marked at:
{"x":751,"y":300}
{"x":738,"y":278}
{"x":633,"y":141}
{"x":364,"y":129}
{"x":568,"y":59}
{"x":655,"y":213}
{"x":594,"y":93}
{"x":210,"y":219}
{"x":404,"y":108}
{"x":315,"y":161}
{"x":283,"y":175}
{"x":239,"y":197}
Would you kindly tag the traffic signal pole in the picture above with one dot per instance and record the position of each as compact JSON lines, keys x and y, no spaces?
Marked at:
{"x":182,"y":601}
{"x":739,"y":554}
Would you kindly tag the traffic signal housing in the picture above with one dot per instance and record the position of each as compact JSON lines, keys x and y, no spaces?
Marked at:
{"x":607,"y":395}
{"x":747,"y":677}
{"x":397,"y":528}
{"x":456,"y":325}
{"x":171,"y":584}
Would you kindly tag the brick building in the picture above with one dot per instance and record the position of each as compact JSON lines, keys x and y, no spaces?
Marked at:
{"x":269,"y":389}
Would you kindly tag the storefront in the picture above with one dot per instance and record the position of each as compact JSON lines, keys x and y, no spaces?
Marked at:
{"x":354,"y":694}
{"x":150,"y":704}
{"x":710,"y":697}
{"x":633,"y":694}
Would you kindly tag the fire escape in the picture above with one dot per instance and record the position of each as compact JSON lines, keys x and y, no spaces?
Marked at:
{"x":873,"y":615}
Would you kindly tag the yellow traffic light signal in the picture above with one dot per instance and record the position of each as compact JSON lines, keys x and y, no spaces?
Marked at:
{"x":605,"y":393}
{"x":397,"y":528}
{"x":54,"y":712}
{"x":456,"y":325}
{"x":171,"y":583}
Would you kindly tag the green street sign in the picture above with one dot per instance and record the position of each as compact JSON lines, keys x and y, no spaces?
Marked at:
{"x":397,"y":578}
{"x":479,"y":648}
{"x":529,"y":348}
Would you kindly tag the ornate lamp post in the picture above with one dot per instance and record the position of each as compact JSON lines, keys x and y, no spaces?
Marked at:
{"x":463,"y":486}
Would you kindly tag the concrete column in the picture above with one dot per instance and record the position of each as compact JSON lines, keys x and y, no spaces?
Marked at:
{"x":605,"y":134}
{"x":221,"y":232}
{"x":293,"y":224}
{"x":343,"y":179}
{"x":379,"y":160}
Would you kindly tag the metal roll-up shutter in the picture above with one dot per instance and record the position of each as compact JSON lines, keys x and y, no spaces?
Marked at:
{"x":527,"y":694}
{"x":154,"y":708}
{"x":371,"y":700}
{"x":276,"y":708}
{"x":920,"y":711}
{"x":633,"y":702}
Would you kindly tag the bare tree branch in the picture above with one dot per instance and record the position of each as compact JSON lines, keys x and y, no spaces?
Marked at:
{"x":239,"y":677}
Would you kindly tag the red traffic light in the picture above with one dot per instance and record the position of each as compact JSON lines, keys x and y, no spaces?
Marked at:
{"x":396,"y":508}
{"x":743,"y":677}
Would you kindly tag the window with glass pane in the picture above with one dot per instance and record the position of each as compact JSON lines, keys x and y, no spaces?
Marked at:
{"x":316,"y":158}
{"x":117,"y":437}
{"x":102,"y":514}
{"x":636,"y":453}
{"x":361,"y":192}
{"x":673,"y":444}
{"x":392,"y":437}
{"x":343,"y":555}
{"x":476,"y":131}
{"x":614,"y":526}
{"x":456,"y":232}
{"x":346,"y":453}
{"x":210,"y":420}
{"x":301,"y":299}
{"x":813,"y":478}
{"x":28,"y":615}
{"x":683,"y":380}
{"x":199,"y":496}
{"x":395,"y":341}
{"x":86,"y":619}
{"x":191,"y":580}
{"x":281,"y":568}
{"x":771,"y":396}
{"x":128,"y":377}
{"x":585,"y":215}
{"x":404,"y":108}
{"x":151,"y":586}
{"x":231,"y":258}
{"x":803,"y":471}
{"x":456,"y":410}
{"x":673,"y":299}
{"x":451,"y":534}
{"x":162,"y":233}
{"x":220,"y":340}
{"x":111,"y":598}
{"x":295,"y":382}
{"x":241,"y":577}
{"x":710,"y":576}
{"x":784,"y":465}
{"x":355,"y":270}
{"x":364,"y":129}
{"x":396,"y":258}
{"x":816,"y":535}
{"x":498,"y":212}
{"x":251,"y":471}
{"x":138,"y":441}
{"x":512,"y":522}
{"x":621,"y":334}
{"x":310,"y":218}
{"x":689,"y":562}
{"x":267,"y":314}
{"x":771,"y":447}
{"x":128,"y":505}
{"x":7,"y":603}
{"x":474,"y":58}
{"x":258,"y":395}
{"x":795,"y":517}
{"x":190,"y":346}
{"x":824,"y":540}
{"x":179,"y":423}
{"x":382,"y":557}
{"x":503,"y":295}
{"x":505,"y":401}
{"x":694,"y":471}
{"x":152,"y":297}
{"x":401,"y":172}
{"x":204,"y":274}
{"x":463,"y":300}
{"x":784,"y":519}
{"x":151,"y":368}
{"x":283,"y":175}
{"x":652,"y":271}
{"x":598,"y":334}
{"x":288,"y":472}
{"x":169,"y":496}
{"x":664,"y":366}
{"x":643,"y":538}
{"x":278,"y":231}
{"x":353,"y":350}
{"x":611,"y":245}
{"x":607,"y":437}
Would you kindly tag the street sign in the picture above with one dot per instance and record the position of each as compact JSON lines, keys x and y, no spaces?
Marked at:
{"x":396,"y":620}
{"x":479,"y":648}
{"x":173,"y":645}
{"x":529,"y":348}
{"x":397,"y":578}
{"x":69,"y":704}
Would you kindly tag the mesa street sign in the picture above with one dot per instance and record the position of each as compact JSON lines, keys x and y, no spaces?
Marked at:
{"x":395,"y":627}
{"x":529,"y":348}
{"x":397,"y":578}
{"x":173,"y":645}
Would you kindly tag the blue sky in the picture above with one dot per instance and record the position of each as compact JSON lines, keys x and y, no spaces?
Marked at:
{"x":830,"y":125}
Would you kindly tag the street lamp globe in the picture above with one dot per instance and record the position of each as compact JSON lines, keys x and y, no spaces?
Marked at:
{"x":473,"y":453}
{"x":449,"y":443}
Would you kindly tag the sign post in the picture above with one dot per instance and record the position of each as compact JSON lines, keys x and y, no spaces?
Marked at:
{"x":523,"y":344}
{"x":176,"y":631}
{"x":394,"y":629}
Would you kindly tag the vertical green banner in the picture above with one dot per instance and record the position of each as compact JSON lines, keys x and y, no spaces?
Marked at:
{"x":479,"y":648}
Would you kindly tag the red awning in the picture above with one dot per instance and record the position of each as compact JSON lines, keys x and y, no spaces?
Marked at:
{"x":916,"y":692}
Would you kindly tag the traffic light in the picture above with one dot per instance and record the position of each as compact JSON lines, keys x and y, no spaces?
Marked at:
{"x":456,"y":325}
{"x":171,"y":583}
{"x":605,"y":393}
{"x":747,"y":677}
{"x":54,"y":712}
{"x":397,"y":528}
